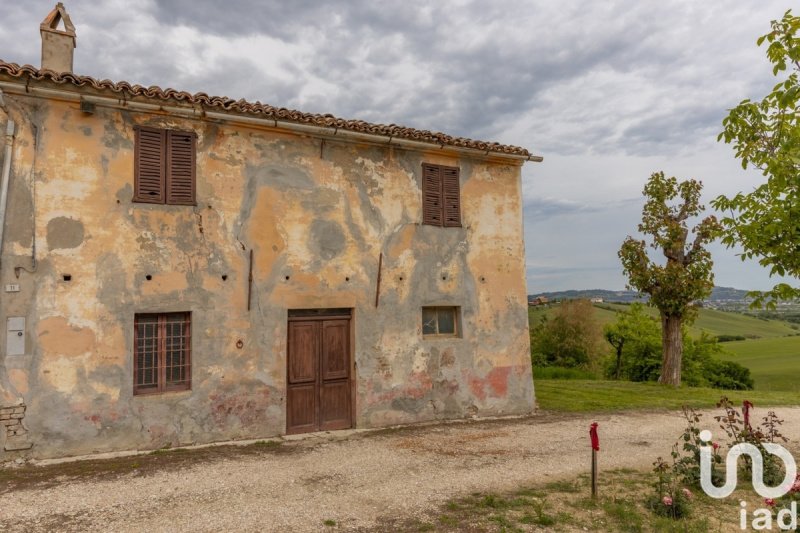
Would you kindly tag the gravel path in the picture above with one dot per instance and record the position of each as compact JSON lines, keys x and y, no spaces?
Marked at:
{"x":354,"y":478}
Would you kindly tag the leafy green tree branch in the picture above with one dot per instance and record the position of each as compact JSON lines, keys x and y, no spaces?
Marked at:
{"x":766,"y":136}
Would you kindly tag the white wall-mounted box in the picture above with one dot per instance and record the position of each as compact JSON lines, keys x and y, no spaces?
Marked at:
{"x":15,"y":335}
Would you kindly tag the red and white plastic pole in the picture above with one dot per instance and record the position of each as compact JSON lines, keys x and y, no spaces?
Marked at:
{"x":595,"y":448}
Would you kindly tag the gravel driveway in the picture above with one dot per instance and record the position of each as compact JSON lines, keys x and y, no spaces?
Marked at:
{"x":353,"y":478}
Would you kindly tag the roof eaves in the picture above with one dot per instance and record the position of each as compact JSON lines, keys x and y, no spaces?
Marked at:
{"x":257,"y":109}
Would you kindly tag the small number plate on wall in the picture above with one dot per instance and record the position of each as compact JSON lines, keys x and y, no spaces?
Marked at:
{"x":12,"y":287}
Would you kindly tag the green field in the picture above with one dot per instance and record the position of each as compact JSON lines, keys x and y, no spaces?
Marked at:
{"x":715,"y":322}
{"x":772,"y":351}
{"x":594,"y":395}
{"x":774,"y":363}
{"x":711,"y":321}
{"x":603,"y":316}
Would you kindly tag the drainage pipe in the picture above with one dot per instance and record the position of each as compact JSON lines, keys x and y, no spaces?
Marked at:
{"x":7,"y":391}
{"x":10,"y":131}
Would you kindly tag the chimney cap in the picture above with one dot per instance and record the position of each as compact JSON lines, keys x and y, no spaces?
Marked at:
{"x":52,"y":20}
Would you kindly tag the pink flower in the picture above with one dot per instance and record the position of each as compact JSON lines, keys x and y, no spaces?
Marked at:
{"x":796,"y":486}
{"x":715,"y":445}
{"x":687,"y":493}
{"x":770,"y":502}
{"x":667,"y":500}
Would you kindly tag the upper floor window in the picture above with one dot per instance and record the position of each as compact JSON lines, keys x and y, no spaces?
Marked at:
{"x":441,"y":196}
{"x":164,"y":168}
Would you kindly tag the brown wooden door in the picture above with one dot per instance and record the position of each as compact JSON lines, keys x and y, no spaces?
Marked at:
{"x":318,"y":375}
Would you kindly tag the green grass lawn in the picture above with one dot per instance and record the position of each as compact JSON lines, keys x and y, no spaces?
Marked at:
{"x":774,"y":363}
{"x":575,"y":395}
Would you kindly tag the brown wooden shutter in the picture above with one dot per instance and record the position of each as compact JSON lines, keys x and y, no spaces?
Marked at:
{"x":431,"y":195}
{"x":149,"y":165}
{"x":180,"y":167}
{"x":452,"y":196}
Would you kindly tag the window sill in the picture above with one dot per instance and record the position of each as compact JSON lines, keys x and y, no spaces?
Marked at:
{"x":169,"y":394}
{"x":154,"y":202}
{"x":441,"y":226}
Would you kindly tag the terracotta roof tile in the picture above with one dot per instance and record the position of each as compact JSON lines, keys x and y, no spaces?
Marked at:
{"x":30,"y":73}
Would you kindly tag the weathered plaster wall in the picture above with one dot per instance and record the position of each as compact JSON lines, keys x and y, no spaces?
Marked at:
{"x":316,"y":213}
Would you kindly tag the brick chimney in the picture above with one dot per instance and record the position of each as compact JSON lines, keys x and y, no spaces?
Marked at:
{"x":58,"y":45}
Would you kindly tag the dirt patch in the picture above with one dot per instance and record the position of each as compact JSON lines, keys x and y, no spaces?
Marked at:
{"x":474,"y":443}
{"x":28,"y":477}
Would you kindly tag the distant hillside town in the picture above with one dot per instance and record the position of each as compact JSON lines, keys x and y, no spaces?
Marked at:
{"x":722,"y":298}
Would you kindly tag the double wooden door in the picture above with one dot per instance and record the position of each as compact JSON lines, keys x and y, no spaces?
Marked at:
{"x":318,"y":374}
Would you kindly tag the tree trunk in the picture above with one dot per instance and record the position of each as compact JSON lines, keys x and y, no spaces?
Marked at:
{"x":672,"y":341}
{"x":619,"y":361}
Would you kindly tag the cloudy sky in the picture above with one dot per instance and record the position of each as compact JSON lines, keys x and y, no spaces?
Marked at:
{"x":607,"y":92}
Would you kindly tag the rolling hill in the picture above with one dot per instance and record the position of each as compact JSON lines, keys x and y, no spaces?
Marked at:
{"x":711,"y":321}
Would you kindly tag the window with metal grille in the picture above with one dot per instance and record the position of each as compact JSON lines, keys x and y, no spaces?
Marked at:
{"x":162,"y":352}
{"x":441,"y":195}
{"x":440,"y":321}
{"x":164,"y":166}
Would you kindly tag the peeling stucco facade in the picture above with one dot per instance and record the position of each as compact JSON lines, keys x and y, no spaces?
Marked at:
{"x":317,"y":213}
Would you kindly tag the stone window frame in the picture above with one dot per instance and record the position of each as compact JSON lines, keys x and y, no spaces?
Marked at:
{"x":162,"y":330}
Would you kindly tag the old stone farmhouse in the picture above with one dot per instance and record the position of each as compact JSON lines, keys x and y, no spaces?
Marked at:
{"x":182,"y":268}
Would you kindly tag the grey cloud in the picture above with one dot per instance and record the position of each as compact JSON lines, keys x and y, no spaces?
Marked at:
{"x":282,"y":19}
{"x":549,"y":270}
{"x":544,"y":208}
{"x":468,"y":90}
{"x":537,"y":209}
{"x":471,"y":87}
{"x":652,"y":134}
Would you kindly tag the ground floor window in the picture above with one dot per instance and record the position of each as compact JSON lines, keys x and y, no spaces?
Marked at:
{"x":162,"y":352}
{"x":440,"y":321}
